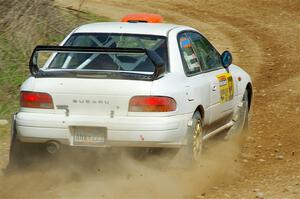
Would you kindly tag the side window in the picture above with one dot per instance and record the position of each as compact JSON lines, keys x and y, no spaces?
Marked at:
{"x":206,"y":53}
{"x":190,"y":60}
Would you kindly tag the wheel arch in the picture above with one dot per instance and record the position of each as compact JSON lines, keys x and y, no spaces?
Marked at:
{"x":201,"y":111}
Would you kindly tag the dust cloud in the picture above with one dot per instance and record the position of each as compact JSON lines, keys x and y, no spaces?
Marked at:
{"x":117,"y":173}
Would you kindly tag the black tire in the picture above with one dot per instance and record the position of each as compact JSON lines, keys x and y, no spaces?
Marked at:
{"x":246,"y":122}
{"x":245,"y":112}
{"x":22,"y":154}
{"x":190,"y":154}
{"x":241,"y":124}
{"x":15,"y":153}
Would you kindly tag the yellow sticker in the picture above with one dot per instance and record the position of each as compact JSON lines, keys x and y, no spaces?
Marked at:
{"x":226,"y":87}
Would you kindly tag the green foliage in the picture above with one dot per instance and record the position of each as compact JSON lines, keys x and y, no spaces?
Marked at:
{"x":13,"y":71}
{"x":88,"y":17}
{"x":23,"y":27}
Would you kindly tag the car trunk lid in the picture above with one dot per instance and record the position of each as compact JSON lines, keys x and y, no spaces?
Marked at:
{"x":101,"y":97}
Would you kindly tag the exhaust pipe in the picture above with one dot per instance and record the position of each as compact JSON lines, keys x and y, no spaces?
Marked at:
{"x":52,"y":147}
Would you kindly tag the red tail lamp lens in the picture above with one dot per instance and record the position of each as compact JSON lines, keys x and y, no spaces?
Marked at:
{"x":152,"y":104}
{"x":36,"y":100}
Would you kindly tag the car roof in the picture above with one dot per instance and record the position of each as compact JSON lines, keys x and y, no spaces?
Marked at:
{"x":161,"y":29}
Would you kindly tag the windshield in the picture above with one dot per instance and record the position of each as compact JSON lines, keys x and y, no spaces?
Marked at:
{"x":109,"y":61}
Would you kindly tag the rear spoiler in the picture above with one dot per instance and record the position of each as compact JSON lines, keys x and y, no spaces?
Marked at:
{"x":153,"y":56}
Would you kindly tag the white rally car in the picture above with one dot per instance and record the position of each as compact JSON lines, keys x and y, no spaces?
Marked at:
{"x":137,"y":83}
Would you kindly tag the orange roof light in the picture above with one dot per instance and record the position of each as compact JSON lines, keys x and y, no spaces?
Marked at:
{"x":142,"y":17}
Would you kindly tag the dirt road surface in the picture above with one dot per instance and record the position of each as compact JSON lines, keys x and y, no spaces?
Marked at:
{"x":264,"y":37}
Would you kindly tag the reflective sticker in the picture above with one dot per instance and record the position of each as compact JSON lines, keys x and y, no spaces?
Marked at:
{"x":226,"y":87}
{"x":185,"y":42}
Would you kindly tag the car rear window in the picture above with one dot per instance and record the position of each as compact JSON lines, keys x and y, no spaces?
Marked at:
{"x":116,"y":61}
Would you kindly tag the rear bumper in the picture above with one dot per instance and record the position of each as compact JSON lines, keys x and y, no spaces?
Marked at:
{"x":121,"y":131}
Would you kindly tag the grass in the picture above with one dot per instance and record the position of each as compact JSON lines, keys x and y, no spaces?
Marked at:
{"x":21,"y":29}
{"x":14,"y":62}
{"x":13,"y":71}
{"x":87,"y":17}
{"x":17,"y":43}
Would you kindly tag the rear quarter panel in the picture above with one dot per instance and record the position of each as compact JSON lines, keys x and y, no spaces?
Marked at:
{"x":176,"y":84}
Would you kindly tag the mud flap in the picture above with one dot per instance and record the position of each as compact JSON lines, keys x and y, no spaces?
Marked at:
{"x":13,"y":146}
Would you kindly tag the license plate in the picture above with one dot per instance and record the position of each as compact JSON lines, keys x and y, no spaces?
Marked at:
{"x":89,"y":135}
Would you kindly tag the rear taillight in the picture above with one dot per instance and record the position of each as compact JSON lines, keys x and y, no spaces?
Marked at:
{"x":36,"y":100}
{"x":151,"y":104}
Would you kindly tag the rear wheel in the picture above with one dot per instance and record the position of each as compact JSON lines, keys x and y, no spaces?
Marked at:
{"x":22,"y":154}
{"x":190,"y":154}
{"x":197,"y":141}
{"x":241,"y":116}
{"x":16,"y":154}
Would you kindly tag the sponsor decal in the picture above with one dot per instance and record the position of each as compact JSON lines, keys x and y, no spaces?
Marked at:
{"x":226,"y":87}
{"x":185,"y":42}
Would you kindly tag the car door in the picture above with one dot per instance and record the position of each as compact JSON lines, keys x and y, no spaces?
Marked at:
{"x":220,"y":80}
{"x":196,"y":85}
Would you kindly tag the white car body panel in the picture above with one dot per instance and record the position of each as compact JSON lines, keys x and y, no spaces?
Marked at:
{"x":169,"y":131}
{"x":93,"y":96}
{"x":104,"y":102}
{"x":128,"y":28}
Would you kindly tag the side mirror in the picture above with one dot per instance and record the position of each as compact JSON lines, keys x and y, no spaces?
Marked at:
{"x":226,"y":59}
